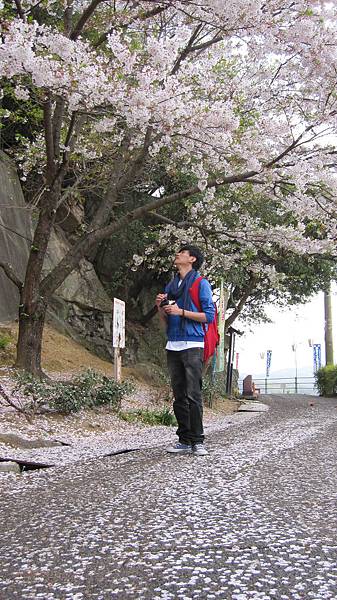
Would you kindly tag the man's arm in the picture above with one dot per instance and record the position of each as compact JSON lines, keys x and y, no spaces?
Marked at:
{"x":173,"y":309}
{"x":206,"y":300}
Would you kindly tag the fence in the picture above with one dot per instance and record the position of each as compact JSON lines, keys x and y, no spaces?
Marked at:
{"x":285,"y":385}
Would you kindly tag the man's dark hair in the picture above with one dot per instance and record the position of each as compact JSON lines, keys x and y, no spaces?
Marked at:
{"x":194,"y":251}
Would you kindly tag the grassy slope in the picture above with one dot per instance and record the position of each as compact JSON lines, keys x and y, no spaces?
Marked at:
{"x":59,"y":352}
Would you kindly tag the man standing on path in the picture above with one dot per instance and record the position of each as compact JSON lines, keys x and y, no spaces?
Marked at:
{"x":185,"y":347}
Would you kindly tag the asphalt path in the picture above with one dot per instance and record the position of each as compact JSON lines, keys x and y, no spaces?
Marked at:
{"x":257,"y":518}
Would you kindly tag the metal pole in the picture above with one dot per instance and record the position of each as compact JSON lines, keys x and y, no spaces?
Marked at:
{"x":328,"y":328}
{"x":117,"y":365}
{"x":229,"y":360}
{"x":231,"y":365}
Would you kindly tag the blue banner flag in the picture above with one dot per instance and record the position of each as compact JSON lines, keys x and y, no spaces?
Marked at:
{"x":268,"y":362}
{"x":317,"y":356}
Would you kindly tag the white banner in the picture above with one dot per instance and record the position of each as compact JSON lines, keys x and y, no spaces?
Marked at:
{"x":118,"y":330}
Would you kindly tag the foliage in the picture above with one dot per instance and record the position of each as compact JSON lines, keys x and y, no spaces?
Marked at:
{"x":213,"y":388}
{"x":134,"y":95}
{"x":87,"y":390}
{"x":256,"y":247}
{"x":22,"y":120}
{"x":326,"y":380}
{"x":150,"y":417}
{"x":5,"y":340}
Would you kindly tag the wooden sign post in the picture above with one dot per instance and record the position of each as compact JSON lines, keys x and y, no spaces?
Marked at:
{"x":118,"y":336}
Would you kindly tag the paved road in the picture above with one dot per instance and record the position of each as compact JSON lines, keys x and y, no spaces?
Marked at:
{"x":257,"y":518}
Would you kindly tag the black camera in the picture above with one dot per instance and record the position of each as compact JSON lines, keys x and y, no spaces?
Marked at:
{"x":166,"y":302}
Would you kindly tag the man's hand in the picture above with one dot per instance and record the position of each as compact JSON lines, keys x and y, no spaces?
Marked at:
{"x":173,"y":309}
{"x":160,"y":298}
{"x":162,"y":315}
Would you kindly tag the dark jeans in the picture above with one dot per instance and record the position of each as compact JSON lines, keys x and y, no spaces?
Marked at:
{"x":185,"y":369}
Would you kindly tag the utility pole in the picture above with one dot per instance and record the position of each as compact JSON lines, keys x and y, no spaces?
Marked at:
{"x":328,"y":327}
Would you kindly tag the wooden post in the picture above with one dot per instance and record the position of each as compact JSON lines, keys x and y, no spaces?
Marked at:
{"x":117,"y":364}
{"x":118,"y":336}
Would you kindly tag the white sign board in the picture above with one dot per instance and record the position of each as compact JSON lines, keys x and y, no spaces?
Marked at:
{"x":118,"y":329}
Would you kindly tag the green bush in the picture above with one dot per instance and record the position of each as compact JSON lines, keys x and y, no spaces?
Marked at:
{"x":212,"y":389}
{"x":326,"y":380}
{"x":87,"y":390}
{"x":5,"y":340}
{"x":150,"y":417}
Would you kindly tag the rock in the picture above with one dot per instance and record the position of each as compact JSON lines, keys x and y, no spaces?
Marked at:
{"x":253,"y":407}
{"x":9,"y":467}
{"x":82,"y":287}
{"x":15,"y":441}
{"x":80,"y":307}
{"x":15,"y":236}
{"x":70,"y":214}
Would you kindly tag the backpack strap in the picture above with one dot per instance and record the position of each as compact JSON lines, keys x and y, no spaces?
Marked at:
{"x":194,"y":293}
{"x":211,"y":334}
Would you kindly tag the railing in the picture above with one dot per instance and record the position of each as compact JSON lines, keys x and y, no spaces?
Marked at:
{"x":285,"y":385}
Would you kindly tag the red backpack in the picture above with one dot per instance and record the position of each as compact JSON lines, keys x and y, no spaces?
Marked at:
{"x":212,"y":337}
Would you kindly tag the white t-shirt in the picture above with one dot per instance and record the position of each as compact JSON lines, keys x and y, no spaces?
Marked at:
{"x":178,"y":346}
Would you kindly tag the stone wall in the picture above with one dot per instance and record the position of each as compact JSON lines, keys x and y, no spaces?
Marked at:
{"x":15,"y":236}
{"x":80,"y":306}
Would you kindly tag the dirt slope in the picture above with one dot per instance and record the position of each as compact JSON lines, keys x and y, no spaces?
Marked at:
{"x":59,"y":352}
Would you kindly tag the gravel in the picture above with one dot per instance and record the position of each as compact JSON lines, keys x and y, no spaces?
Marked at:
{"x":255,"y":519}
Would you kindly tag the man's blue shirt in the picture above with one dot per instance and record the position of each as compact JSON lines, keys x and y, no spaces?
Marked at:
{"x":192,"y":330}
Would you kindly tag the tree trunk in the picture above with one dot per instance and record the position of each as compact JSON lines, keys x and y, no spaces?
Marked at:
{"x":33,"y":306}
{"x":29,"y":344}
{"x":37,"y":293}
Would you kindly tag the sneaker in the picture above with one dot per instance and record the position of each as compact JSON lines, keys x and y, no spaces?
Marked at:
{"x":199,"y":450}
{"x":180,"y":448}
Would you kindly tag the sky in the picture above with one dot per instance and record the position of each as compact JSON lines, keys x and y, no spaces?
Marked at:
{"x":292,"y":326}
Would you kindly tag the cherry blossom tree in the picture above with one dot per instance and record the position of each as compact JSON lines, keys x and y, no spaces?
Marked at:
{"x":224,"y":92}
{"x":260,"y":249}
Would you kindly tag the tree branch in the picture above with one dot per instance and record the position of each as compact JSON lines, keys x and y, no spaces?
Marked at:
{"x":9,"y":271}
{"x":290,"y":148}
{"x":90,"y":11}
{"x":69,"y":190}
{"x":83,"y":19}
{"x":67,"y":18}
{"x":205,"y":45}
{"x":117,"y":184}
{"x":142,"y":17}
{"x":48,"y":134}
{"x":238,"y":308}
{"x":10,"y":402}
{"x":149,"y":315}
{"x":20,"y":10}
{"x":57,"y":124}
{"x":187,"y":49}
{"x":54,"y":279}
